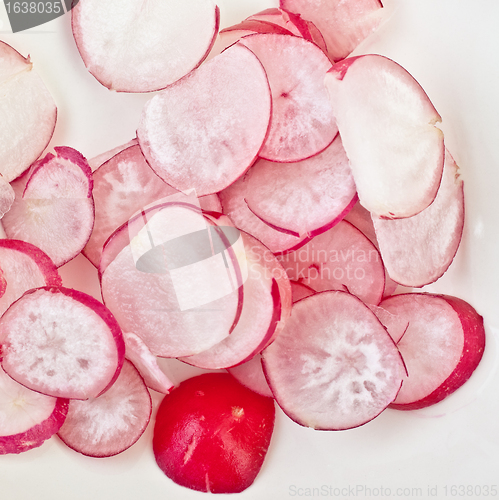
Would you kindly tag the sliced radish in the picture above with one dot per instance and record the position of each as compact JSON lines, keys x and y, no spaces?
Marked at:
{"x":442,"y":344}
{"x":333,"y":366}
{"x":100,"y":159}
{"x":206,"y":130}
{"x":302,"y":122}
{"x":300,"y":291}
{"x":302,"y":197}
{"x":210,"y":203}
{"x":341,"y":258}
{"x":111,"y":423}
{"x":387,"y":124}
{"x":28,"y":113}
{"x":418,"y":250}
{"x":27,"y":418}
{"x":212,"y":434}
{"x":113,"y":38}
{"x":7,"y":196}
{"x":56,"y":210}
{"x":62,"y":343}
{"x":250,"y":374}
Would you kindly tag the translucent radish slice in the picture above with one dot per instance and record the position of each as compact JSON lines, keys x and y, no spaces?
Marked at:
{"x":418,"y":250}
{"x":302,"y":197}
{"x":341,"y":258}
{"x":28,"y":113}
{"x":27,"y":418}
{"x":111,"y":423}
{"x":206,"y":130}
{"x":113,"y":38}
{"x":387,"y":124}
{"x":7,"y":196}
{"x":56,"y":210}
{"x":333,"y":366}
{"x":210,"y":203}
{"x":250,"y":374}
{"x":442,"y":345}
{"x":24,"y":266}
{"x":302,"y":122}
{"x":62,"y":343}
{"x":343,"y":24}
{"x":300,"y":291}
{"x":100,"y":159}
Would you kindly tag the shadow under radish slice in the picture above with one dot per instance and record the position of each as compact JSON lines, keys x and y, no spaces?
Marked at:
{"x":333,"y":366}
{"x":62,"y":343}
{"x":111,"y":423}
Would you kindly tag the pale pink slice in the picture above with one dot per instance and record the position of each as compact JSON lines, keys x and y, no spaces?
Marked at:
{"x":206,"y":130}
{"x":302,"y":122}
{"x":28,"y":113}
{"x":442,"y":343}
{"x":387,"y":124}
{"x":419,"y":249}
{"x":100,"y":159}
{"x":250,"y":374}
{"x":56,"y":209}
{"x":333,"y":366}
{"x":302,"y":197}
{"x":7,"y":196}
{"x":111,"y":423}
{"x":130,"y":46}
{"x":62,"y":343}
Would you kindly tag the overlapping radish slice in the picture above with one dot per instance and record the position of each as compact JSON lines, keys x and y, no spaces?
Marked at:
{"x":418,"y":250}
{"x":62,"y":343}
{"x":302,"y":197}
{"x":343,"y":24}
{"x":266,"y":307}
{"x":28,"y":113}
{"x":333,"y":366}
{"x":172,"y":277}
{"x":205,"y":131}
{"x":387,"y":124}
{"x":302,"y":122}
{"x":341,"y":258}
{"x":442,"y":342}
{"x":56,"y":209}
{"x":300,"y":291}
{"x":114,"y":36}
{"x":111,"y":423}
{"x":7,"y":196}
{"x":250,"y":374}
{"x":102,"y":158}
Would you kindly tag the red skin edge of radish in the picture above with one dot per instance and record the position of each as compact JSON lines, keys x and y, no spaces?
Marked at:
{"x":340,"y":68}
{"x":471,"y":322}
{"x":254,"y":25}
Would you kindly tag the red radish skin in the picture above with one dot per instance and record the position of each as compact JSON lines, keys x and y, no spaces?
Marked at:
{"x":212,"y":434}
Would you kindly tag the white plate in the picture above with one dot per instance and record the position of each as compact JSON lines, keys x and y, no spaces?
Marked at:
{"x":452,"y":49}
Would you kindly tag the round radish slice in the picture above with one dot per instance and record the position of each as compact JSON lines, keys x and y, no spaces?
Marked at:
{"x":27,"y":418}
{"x":111,"y":423}
{"x":212,"y":434}
{"x":28,"y":113}
{"x":56,"y":210}
{"x":333,"y":366}
{"x":132,"y":47}
{"x":302,"y":121}
{"x":442,"y":343}
{"x":250,"y":374}
{"x":205,"y":131}
{"x":62,"y":343}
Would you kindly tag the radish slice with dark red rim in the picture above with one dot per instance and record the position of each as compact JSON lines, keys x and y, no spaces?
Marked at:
{"x":250,"y":374}
{"x":111,"y":423}
{"x":62,"y":343}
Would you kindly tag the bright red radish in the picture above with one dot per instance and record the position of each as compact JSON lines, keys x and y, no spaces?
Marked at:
{"x":62,"y":343}
{"x":212,"y":434}
{"x":130,"y":47}
{"x":442,"y":342}
{"x":250,"y":374}
{"x":333,"y":366}
{"x":387,"y":125}
{"x":111,"y":423}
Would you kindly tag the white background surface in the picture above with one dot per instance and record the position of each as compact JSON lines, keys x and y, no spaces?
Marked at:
{"x":452,"y":48}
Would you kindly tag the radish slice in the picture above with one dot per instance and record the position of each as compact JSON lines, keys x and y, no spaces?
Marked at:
{"x":302,"y":122}
{"x":341,"y":258}
{"x":111,"y":423}
{"x":113,"y":38}
{"x":250,"y":374}
{"x":7,"y":196}
{"x":27,"y":418}
{"x":56,"y":210}
{"x":100,"y":159}
{"x":333,"y":366}
{"x":62,"y":343}
{"x":28,"y":113}
{"x":302,"y":197}
{"x":442,"y":345}
{"x":206,"y":130}
{"x":387,"y":124}
{"x":300,"y":291}
{"x":418,"y":250}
